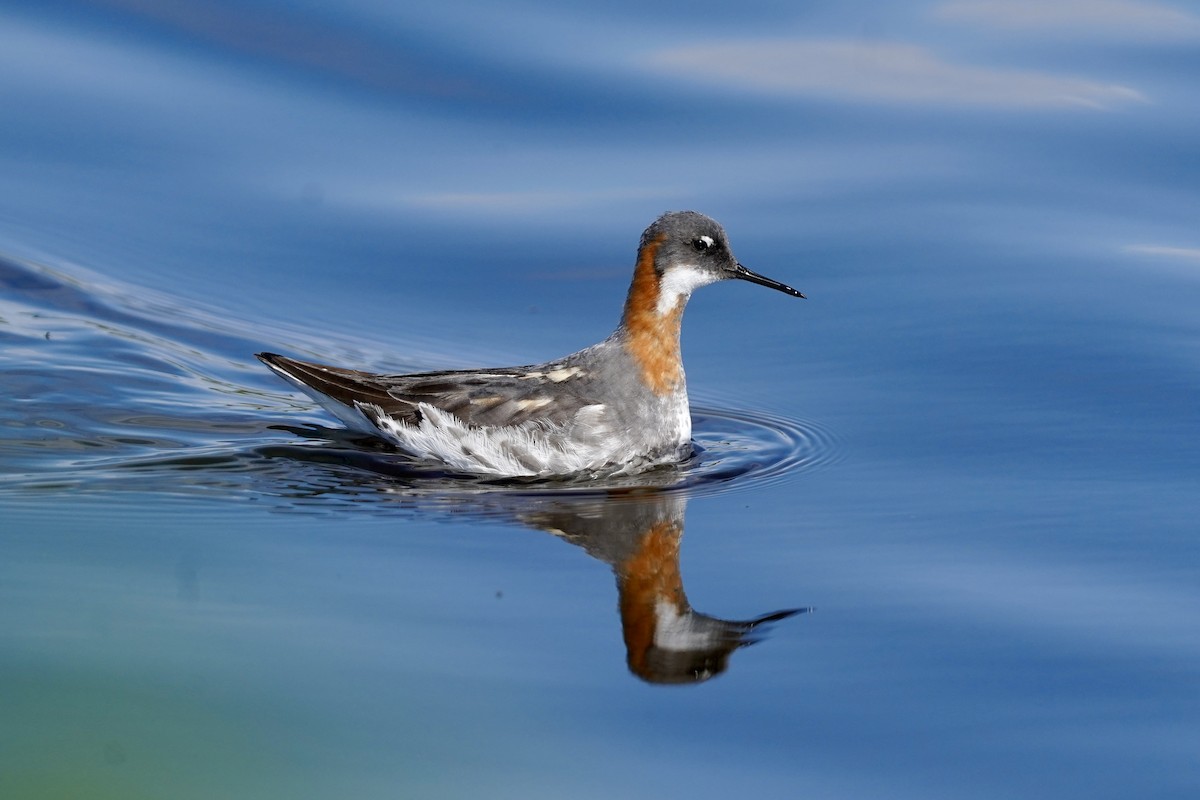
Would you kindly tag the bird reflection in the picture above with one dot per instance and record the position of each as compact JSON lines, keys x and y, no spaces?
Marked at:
{"x":639,"y":535}
{"x":634,"y":524}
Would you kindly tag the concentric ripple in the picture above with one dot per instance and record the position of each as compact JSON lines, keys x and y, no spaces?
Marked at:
{"x":747,"y":447}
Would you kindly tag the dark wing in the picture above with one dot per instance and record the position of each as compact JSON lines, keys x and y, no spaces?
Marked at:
{"x":346,"y":386}
{"x":490,"y":397}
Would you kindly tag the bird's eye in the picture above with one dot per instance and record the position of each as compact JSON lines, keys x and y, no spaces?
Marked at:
{"x":703,"y":244}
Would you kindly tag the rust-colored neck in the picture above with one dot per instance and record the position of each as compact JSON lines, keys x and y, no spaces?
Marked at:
{"x":653,"y":338}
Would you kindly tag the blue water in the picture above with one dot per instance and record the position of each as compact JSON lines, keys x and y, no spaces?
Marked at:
{"x":965,"y":472}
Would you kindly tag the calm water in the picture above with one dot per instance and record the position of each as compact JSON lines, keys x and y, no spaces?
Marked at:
{"x":940,"y":539}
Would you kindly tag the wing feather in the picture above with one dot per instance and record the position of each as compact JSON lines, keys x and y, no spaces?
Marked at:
{"x":481,"y":398}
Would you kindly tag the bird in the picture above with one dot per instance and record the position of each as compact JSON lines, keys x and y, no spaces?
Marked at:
{"x":619,"y":407}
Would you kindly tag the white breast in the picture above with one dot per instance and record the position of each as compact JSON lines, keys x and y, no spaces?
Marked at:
{"x":588,"y":444}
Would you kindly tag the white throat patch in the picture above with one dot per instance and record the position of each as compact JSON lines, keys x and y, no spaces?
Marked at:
{"x":679,"y":283}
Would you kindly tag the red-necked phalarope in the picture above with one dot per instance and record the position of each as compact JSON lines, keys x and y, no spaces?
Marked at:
{"x":617,"y":407}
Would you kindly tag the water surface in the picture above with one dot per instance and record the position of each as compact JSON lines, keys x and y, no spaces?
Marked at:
{"x":939,"y":539}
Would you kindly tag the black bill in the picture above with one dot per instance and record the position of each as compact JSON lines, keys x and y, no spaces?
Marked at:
{"x":747,"y":275}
